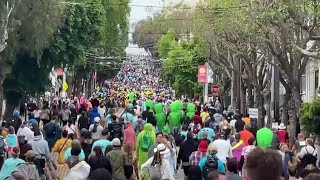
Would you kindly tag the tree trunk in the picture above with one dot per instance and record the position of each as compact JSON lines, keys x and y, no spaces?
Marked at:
{"x":243,"y":108}
{"x":8,"y":112}
{"x":259,"y":104}
{"x":250,"y":97}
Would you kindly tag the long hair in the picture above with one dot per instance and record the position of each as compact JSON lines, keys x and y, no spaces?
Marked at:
{"x":95,"y":126}
{"x":157,"y":159}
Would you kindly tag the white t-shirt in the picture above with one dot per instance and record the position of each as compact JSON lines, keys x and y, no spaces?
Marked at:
{"x":27,"y":133}
{"x":102,"y":111}
{"x":71,"y":129}
{"x":308,"y":150}
{"x":97,"y":134}
{"x":224,"y":149}
{"x":36,"y":113}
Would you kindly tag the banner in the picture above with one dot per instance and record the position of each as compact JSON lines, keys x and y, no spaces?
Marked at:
{"x":203,"y":73}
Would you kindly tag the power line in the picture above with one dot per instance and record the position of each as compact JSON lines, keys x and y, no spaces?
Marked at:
{"x":153,"y":6}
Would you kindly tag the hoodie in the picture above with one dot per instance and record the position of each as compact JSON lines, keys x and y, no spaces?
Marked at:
{"x":40,"y":146}
{"x":218,"y":117}
{"x":129,"y":136}
{"x":78,"y":172}
{"x":94,"y":113}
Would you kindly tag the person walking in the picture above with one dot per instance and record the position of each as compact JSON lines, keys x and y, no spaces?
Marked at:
{"x":129,"y":136}
{"x":157,"y":166}
{"x":187,"y":147}
{"x":62,"y":145}
{"x":118,"y":159}
{"x":40,"y":148}
{"x":224,"y":148}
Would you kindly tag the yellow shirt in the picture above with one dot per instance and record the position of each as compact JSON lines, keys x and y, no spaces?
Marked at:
{"x":126,"y":102}
{"x":204,"y":116}
{"x":246,"y":120}
{"x":59,"y":145}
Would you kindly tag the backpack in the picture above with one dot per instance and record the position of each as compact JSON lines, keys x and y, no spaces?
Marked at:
{"x":146,"y":142}
{"x":72,"y":161}
{"x":51,"y":131}
{"x":2,"y":146}
{"x":117,"y":130}
{"x":210,"y":165}
{"x":155,"y":172}
{"x":28,"y":171}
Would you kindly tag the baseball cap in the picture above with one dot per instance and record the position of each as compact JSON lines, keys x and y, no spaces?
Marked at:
{"x":203,"y":145}
{"x":116,"y":142}
{"x":96,"y":119}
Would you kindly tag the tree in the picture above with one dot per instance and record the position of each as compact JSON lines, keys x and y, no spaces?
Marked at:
{"x":180,"y":64}
{"x":310,"y":117}
{"x":147,"y":33}
{"x":24,"y":27}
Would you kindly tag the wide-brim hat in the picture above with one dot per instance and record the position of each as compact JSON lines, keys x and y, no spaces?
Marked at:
{"x":161,"y":148}
{"x":282,"y":126}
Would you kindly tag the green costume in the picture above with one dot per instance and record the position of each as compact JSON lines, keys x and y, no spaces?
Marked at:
{"x":264,"y":138}
{"x":160,"y":116}
{"x":191,"y":109}
{"x":131,"y":96}
{"x":142,"y":156}
{"x":174,"y":117}
{"x":149,"y":103}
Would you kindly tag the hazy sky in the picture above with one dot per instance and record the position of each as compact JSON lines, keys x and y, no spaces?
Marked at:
{"x":141,"y":9}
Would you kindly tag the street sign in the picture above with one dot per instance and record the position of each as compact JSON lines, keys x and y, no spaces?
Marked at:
{"x":215,"y":89}
{"x":253,"y":112}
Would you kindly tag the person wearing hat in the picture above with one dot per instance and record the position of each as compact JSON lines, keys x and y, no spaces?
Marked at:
{"x":212,"y":155}
{"x":224,"y":148}
{"x":283,"y":134}
{"x":141,"y":153}
{"x":96,"y":129}
{"x":157,"y":166}
{"x":201,"y":152}
{"x":118,"y":160}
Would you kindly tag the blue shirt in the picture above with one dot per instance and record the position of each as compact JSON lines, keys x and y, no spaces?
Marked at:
{"x":67,"y":154}
{"x":202,"y":162}
{"x":103,"y":143}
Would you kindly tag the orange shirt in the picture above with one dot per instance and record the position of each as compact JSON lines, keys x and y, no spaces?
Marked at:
{"x":246,"y":120}
{"x":245,"y":135}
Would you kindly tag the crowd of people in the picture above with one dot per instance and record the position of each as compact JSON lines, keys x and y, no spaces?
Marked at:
{"x":103,"y":144}
{"x":126,"y":133}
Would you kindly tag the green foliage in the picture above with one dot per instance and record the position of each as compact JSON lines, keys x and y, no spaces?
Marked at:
{"x":31,"y":26}
{"x":181,"y":66}
{"x":147,"y":33}
{"x":167,"y":43}
{"x":310,"y":116}
{"x":27,"y":77}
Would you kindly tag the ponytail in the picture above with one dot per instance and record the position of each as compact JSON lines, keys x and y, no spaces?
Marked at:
{"x":95,"y":127}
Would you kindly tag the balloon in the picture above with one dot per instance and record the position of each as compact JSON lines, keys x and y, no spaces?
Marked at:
{"x":264,"y":138}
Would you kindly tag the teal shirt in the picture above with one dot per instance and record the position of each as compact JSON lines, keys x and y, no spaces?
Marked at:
{"x":221,"y":167}
{"x":9,"y":166}
{"x":209,"y":131}
{"x":81,"y":156}
{"x":129,"y":117}
{"x":109,"y":119}
{"x":184,"y":133}
{"x":103,"y":143}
